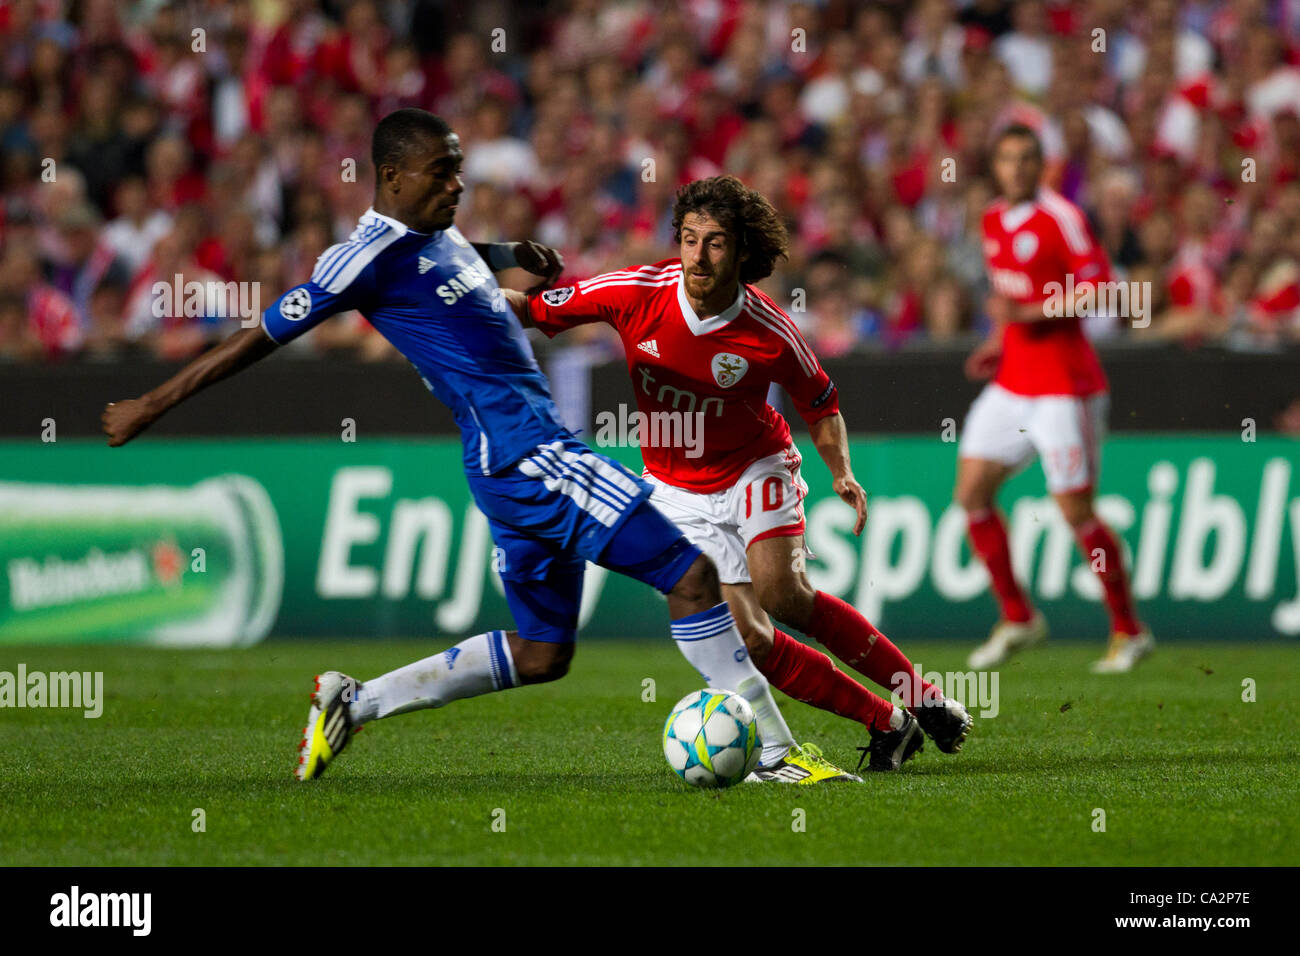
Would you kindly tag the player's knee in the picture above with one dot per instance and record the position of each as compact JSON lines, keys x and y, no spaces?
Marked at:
{"x":539,"y":662}
{"x":699,"y":585}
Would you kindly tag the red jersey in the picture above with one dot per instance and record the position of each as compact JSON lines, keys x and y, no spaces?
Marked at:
{"x":719,"y":368}
{"x":1029,"y":247}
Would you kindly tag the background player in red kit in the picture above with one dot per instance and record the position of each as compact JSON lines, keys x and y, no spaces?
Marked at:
{"x":701,"y":340}
{"x":1048,"y":398}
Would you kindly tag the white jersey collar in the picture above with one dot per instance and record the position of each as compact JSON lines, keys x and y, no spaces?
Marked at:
{"x":700,"y":326}
{"x":1013,"y":217}
{"x":400,"y":228}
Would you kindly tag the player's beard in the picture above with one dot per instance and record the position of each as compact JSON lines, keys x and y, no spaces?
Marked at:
{"x":699,"y":287}
{"x":702,"y":289}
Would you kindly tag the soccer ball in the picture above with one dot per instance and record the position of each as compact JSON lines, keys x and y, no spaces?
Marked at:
{"x":711,"y":738}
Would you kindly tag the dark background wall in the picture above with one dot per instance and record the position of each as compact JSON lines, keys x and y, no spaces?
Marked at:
{"x":1159,"y":390}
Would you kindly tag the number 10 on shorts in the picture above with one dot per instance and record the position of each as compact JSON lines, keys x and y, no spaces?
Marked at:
{"x":772,"y":496}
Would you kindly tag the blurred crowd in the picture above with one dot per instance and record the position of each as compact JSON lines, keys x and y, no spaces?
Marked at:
{"x":228,"y":141}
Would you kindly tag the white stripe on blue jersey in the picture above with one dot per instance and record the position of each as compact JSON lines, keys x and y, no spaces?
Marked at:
{"x":327,"y":259}
{"x":347,"y":260}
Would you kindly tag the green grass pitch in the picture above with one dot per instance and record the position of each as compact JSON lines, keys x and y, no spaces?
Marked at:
{"x":1186,"y":772}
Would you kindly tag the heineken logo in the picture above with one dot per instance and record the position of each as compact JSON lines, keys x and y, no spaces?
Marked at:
{"x":56,"y":581}
{"x":182,"y":565}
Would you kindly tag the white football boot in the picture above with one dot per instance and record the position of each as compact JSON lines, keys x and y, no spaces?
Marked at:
{"x":329,"y":728}
{"x":1125,"y":650}
{"x":1006,"y":638}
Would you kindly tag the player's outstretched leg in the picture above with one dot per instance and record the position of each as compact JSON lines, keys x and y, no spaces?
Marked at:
{"x":496,"y":660}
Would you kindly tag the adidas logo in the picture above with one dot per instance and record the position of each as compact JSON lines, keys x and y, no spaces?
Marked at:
{"x":426,"y":264}
{"x":790,"y":774}
{"x":650,"y":347}
{"x":336,"y":729}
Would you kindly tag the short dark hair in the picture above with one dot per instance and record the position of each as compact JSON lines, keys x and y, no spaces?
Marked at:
{"x":745,"y":214}
{"x":1019,"y":131}
{"x":401,"y":130}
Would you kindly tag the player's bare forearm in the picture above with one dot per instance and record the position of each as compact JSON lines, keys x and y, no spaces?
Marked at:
{"x":831,"y":437}
{"x":122,"y":421}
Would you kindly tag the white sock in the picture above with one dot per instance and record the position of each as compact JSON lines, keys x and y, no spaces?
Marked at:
{"x":477,"y":665}
{"x":711,"y":643}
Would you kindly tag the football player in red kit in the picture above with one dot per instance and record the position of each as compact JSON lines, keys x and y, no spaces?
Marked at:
{"x":703,"y":347}
{"x":1048,"y":398}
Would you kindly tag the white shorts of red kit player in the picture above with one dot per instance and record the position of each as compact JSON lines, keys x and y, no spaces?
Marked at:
{"x":765,"y":502}
{"x":1064,"y":431}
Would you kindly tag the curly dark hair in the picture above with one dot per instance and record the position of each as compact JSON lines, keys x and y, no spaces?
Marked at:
{"x":744,"y":213}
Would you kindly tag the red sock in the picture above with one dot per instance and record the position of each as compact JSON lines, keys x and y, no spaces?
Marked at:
{"x":988,"y":536}
{"x":850,"y":637}
{"x":807,"y":674}
{"x":1102,"y":552}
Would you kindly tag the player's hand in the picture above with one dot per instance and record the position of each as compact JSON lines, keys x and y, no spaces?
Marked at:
{"x":851,"y":493}
{"x":983,"y":362}
{"x":541,"y":261}
{"x":122,"y":421}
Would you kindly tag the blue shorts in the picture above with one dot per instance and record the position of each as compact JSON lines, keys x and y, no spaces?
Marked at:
{"x":560,"y":507}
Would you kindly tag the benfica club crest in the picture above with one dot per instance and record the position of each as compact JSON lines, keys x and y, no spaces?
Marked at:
{"x":1024,"y":245}
{"x":728,"y":369}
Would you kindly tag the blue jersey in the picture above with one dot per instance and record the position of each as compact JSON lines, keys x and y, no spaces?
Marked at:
{"x":436,"y":300}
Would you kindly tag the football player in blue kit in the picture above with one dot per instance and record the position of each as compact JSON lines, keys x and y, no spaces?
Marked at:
{"x":551,"y":503}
